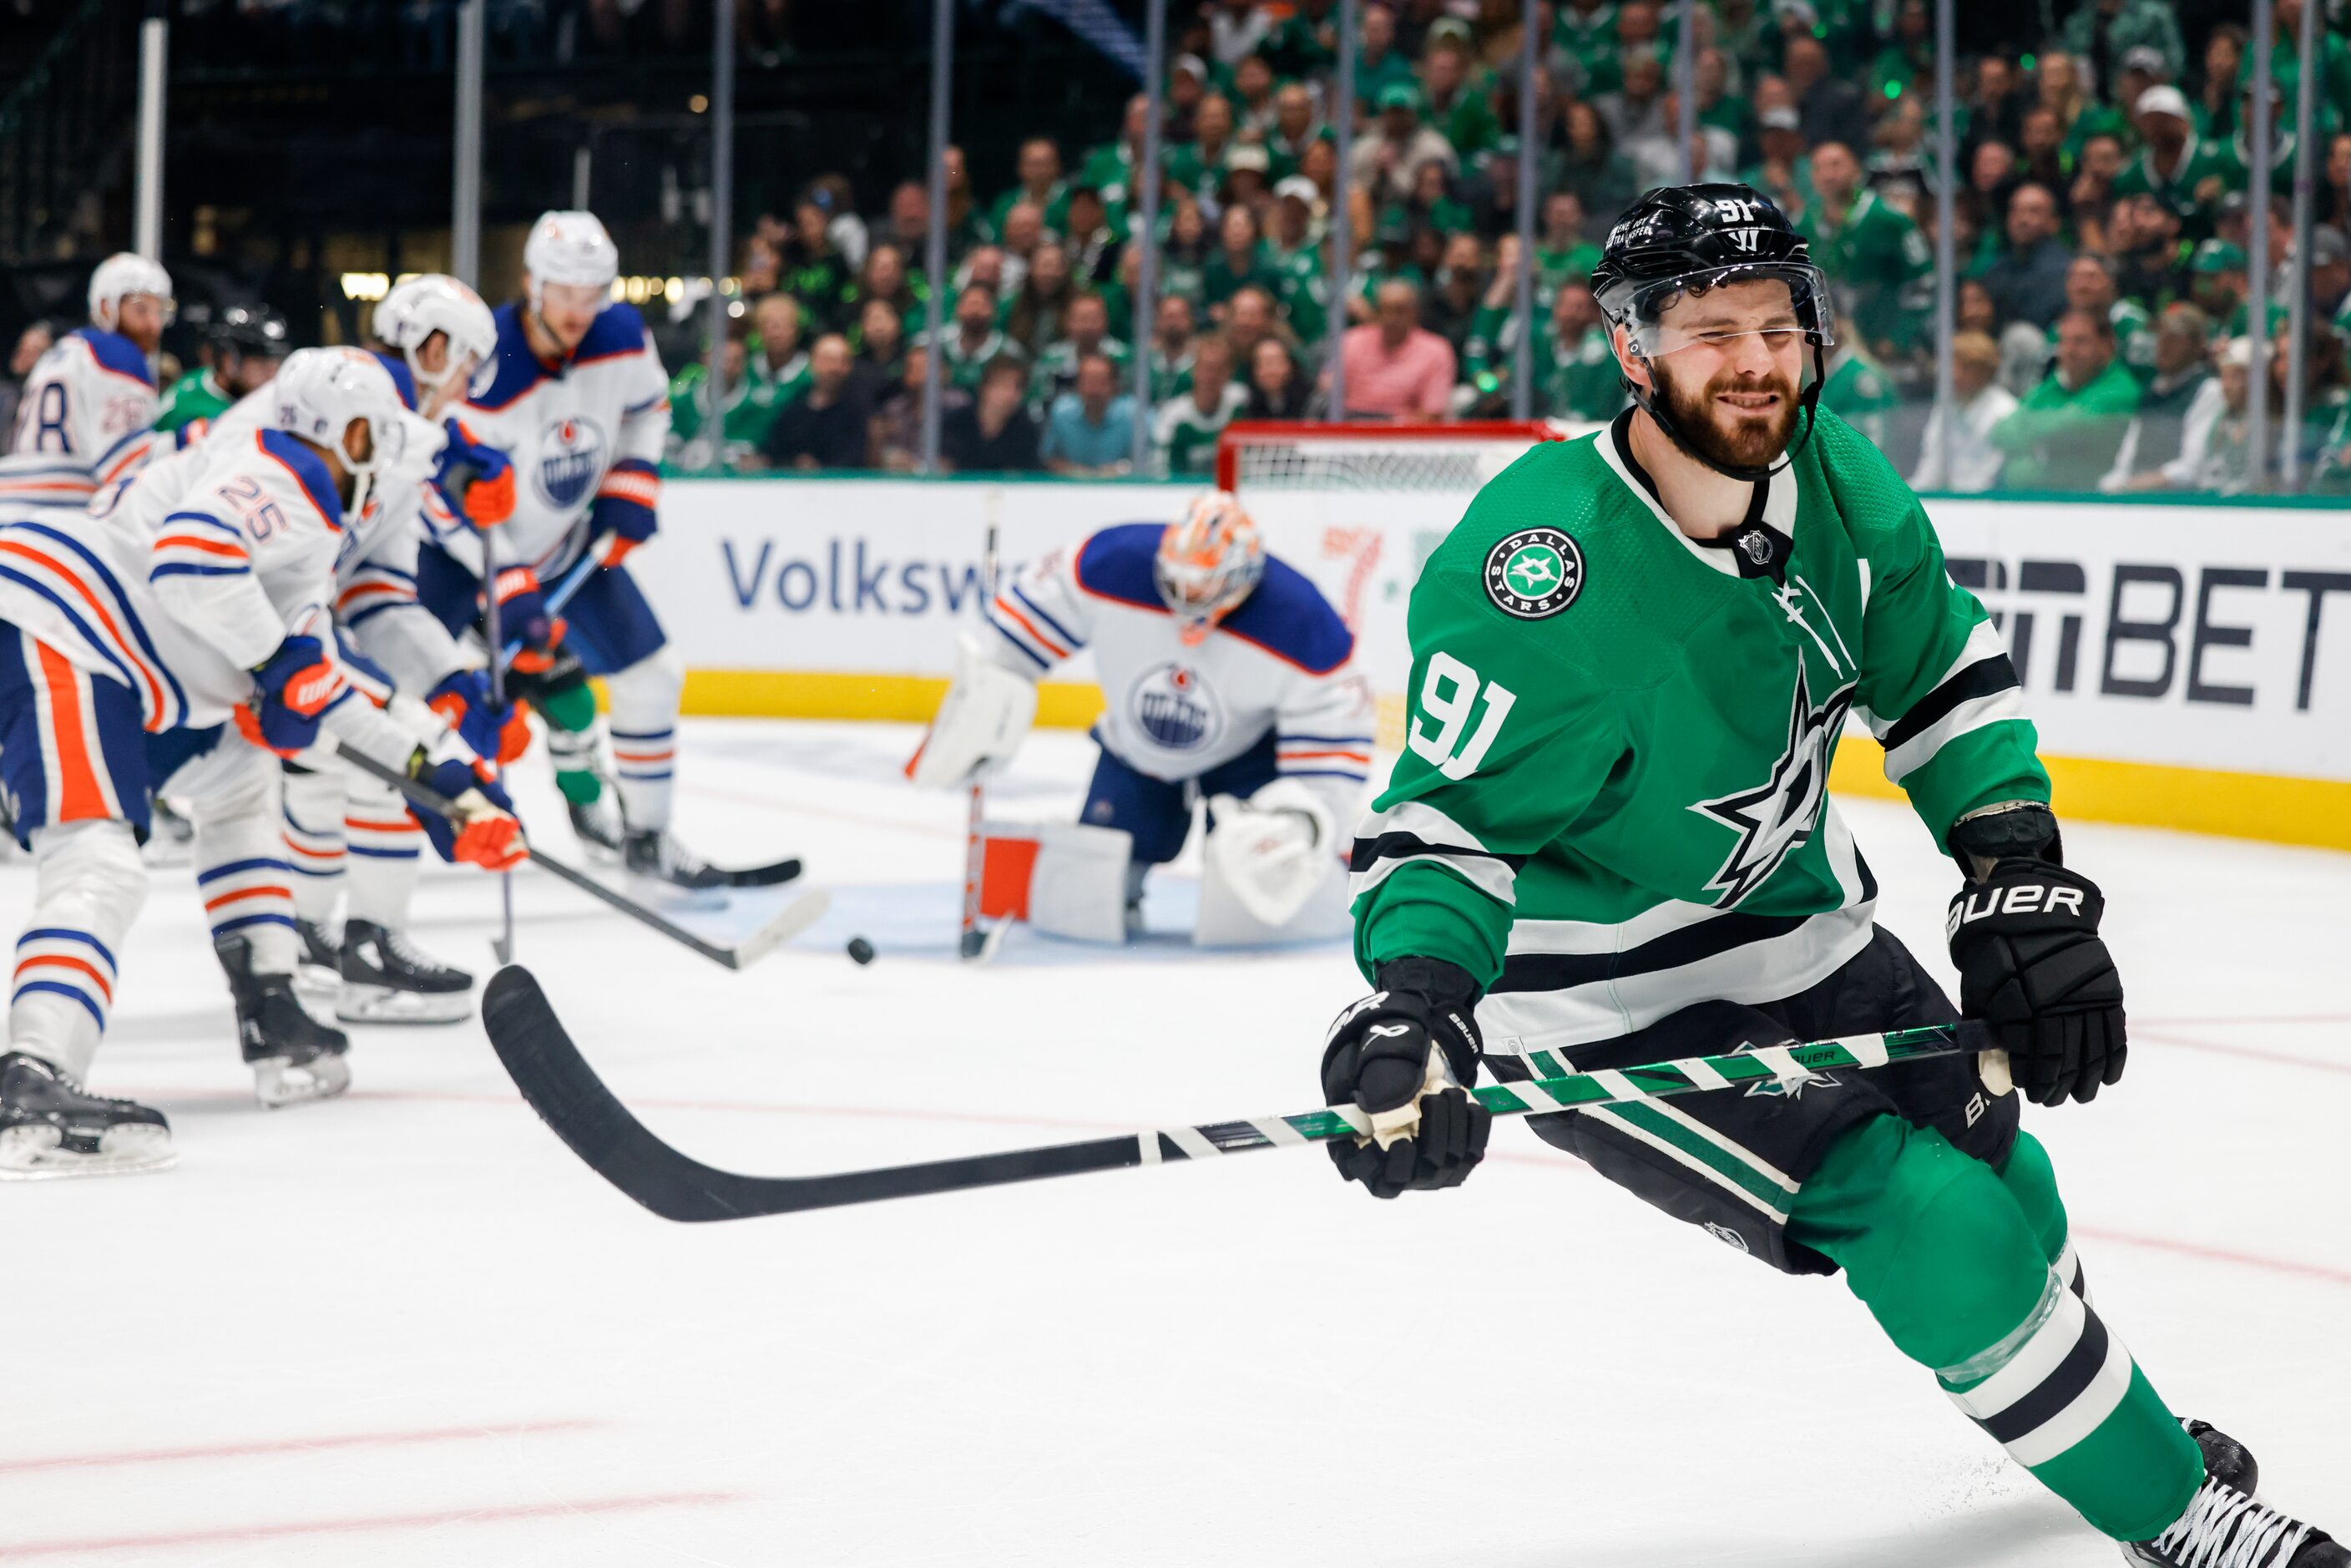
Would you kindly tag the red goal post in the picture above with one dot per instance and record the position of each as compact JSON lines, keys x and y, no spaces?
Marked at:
{"x":1358,"y":508}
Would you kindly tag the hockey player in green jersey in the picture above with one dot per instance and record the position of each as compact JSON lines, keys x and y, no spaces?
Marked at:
{"x":1609,"y":841}
{"x":247,"y":344}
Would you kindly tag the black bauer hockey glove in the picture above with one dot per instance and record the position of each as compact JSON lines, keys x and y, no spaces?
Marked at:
{"x":1377,"y":1057}
{"x":2031,"y":965}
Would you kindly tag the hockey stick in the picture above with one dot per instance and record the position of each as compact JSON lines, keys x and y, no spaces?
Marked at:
{"x":503,"y":944}
{"x":570,"y":1098}
{"x":789,"y":922}
{"x":971,"y":941}
{"x":554,"y":601}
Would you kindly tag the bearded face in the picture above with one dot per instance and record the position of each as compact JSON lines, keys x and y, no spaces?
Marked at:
{"x":1734,"y":420}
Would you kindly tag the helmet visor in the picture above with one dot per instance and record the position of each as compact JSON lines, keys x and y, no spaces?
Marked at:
{"x":1701,"y":308}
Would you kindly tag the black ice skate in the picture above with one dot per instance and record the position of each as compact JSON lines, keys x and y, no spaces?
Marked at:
{"x":49,"y":1126}
{"x":387,"y":980}
{"x":319,"y":972}
{"x":2225,"y":1528}
{"x":294,"y":1057}
{"x":597,"y":825}
{"x":2225,"y":1457}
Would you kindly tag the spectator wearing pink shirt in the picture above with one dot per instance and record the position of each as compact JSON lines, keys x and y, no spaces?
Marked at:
{"x":1397,"y":369}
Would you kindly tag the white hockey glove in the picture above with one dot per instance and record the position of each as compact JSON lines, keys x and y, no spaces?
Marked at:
{"x":1274,"y":849}
{"x":980,"y":722}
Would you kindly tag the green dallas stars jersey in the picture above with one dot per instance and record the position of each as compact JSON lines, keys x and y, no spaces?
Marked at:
{"x":1612,"y":801}
{"x":197,"y":394}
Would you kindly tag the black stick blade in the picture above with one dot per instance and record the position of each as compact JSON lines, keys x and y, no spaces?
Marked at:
{"x":568,"y":1097}
{"x":564,"y":1090}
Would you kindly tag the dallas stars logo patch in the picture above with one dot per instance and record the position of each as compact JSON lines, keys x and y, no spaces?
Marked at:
{"x":1776,"y":818}
{"x":1533,"y":573}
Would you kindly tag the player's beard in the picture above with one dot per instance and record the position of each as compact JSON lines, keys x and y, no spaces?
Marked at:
{"x":1748,"y":441}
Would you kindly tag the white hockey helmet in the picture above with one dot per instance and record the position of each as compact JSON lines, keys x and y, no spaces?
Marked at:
{"x":436,"y":302}
{"x":318,"y":393}
{"x":120,"y":276}
{"x":570,"y":248}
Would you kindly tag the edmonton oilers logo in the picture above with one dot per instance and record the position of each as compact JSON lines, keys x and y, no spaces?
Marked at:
{"x":1175,"y":708}
{"x":571,"y":461}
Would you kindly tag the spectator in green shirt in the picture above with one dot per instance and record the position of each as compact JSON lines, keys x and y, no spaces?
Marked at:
{"x":1295,"y":129}
{"x":815,"y":273}
{"x":1039,"y":168}
{"x":1379,"y":64}
{"x":1239,"y":261}
{"x":1306,"y":43}
{"x":1184,"y":435}
{"x":1864,"y":245}
{"x":2066,"y":433}
{"x":2104,"y":30}
{"x":1562,"y":253}
{"x":1460,"y":95}
{"x":749,"y":409}
{"x":1111,"y":168}
{"x":776,"y":360}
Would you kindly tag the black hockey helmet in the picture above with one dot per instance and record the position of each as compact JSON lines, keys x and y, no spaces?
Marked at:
{"x":251,"y":332}
{"x":1683,"y":240}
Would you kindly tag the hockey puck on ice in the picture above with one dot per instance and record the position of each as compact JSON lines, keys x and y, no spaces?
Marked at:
{"x":861,"y":949}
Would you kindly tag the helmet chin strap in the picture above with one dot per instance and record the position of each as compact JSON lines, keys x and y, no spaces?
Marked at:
{"x":1807,"y":400}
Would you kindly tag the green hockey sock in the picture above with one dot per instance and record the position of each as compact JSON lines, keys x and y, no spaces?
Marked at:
{"x":1945,"y":1257}
{"x":570,"y":715}
{"x":2032,"y":1183}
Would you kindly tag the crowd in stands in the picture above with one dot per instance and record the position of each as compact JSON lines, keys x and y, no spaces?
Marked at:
{"x":2103,"y":232}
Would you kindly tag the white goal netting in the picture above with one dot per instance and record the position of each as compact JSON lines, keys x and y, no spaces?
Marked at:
{"x":1359,"y":507}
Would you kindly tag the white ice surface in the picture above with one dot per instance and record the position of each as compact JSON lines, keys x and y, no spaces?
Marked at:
{"x":409,"y":1327}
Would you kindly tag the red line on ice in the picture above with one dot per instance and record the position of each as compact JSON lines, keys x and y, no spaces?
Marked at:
{"x":294,"y":1446}
{"x":490,"y":1515}
{"x":2283,"y":1058}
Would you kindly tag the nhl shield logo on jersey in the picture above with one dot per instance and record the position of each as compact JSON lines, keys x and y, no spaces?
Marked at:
{"x":1176,"y":707}
{"x":572,"y":455}
{"x":1533,"y":573}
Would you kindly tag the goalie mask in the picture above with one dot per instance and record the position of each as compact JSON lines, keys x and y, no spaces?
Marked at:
{"x":1681,"y":242}
{"x":1208,"y":563}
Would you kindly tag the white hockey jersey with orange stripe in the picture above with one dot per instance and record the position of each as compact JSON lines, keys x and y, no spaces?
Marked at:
{"x":1279,"y":665}
{"x":183,"y":582}
{"x":84,"y":421}
{"x":589,"y":427}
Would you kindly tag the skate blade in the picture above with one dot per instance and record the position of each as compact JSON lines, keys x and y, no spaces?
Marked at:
{"x":384,"y":1005}
{"x":315,"y":985}
{"x":36,"y":1153}
{"x":278,"y":1084}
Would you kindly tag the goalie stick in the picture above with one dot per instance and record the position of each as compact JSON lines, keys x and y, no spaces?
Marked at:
{"x":572,"y":1099}
{"x":789,"y":922}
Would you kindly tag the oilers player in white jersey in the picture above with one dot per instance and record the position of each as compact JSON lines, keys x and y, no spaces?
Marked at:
{"x":577,"y":401}
{"x":349,"y":838}
{"x":88,"y":405}
{"x":1227,"y":678}
{"x":181,"y":634}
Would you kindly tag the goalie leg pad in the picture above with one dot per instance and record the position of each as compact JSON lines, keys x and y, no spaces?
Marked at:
{"x":1065,"y":879}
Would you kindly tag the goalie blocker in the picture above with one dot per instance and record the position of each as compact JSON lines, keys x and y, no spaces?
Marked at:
{"x":1228,"y":680}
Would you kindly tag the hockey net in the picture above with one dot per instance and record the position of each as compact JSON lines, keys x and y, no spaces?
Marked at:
{"x":1359,"y":507}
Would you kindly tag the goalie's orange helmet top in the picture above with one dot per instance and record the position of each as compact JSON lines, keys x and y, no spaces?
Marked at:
{"x":1210,"y":560}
